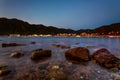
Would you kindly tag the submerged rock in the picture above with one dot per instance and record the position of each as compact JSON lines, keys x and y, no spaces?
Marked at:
{"x":37,"y":50}
{"x":105,"y":58}
{"x":33,"y":42}
{"x":61,"y":46}
{"x":64,"y":46}
{"x":90,"y":46}
{"x":16,"y":54}
{"x":11,"y":44}
{"x":4,"y":72}
{"x":78,"y":53}
{"x":77,"y":43}
{"x":40,"y":54}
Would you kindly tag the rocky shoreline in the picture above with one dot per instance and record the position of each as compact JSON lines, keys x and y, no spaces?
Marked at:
{"x":80,"y":55}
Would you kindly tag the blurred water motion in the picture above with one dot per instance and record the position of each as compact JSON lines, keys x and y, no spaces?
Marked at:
{"x":57,"y":67}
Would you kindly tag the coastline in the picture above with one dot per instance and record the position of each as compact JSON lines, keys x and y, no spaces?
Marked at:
{"x":49,"y":35}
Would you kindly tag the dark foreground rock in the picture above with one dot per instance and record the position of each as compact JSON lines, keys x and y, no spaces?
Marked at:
{"x":78,"y":54}
{"x":11,"y":44}
{"x":40,"y":54}
{"x":4,"y":72}
{"x":16,"y":54}
{"x":105,"y":58}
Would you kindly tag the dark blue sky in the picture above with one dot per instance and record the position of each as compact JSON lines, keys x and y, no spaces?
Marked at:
{"x":74,"y":14}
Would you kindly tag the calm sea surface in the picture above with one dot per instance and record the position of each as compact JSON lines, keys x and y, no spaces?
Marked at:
{"x":57,"y":67}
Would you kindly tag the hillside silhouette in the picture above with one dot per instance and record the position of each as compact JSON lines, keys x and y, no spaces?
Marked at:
{"x":15,"y":26}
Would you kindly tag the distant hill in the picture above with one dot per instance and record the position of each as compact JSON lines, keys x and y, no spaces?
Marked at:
{"x":15,"y":26}
{"x":113,"y":28}
{"x":107,"y":29}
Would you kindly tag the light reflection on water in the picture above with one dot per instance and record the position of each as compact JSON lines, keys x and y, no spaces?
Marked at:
{"x":57,"y":65}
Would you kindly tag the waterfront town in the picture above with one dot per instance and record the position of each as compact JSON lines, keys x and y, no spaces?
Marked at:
{"x":111,"y":34}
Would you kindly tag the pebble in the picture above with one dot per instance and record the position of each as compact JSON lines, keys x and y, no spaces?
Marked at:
{"x":98,"y":72}
{"x":69,"y":63}
{"x":81,"y":77}
{"x":55,"y":67}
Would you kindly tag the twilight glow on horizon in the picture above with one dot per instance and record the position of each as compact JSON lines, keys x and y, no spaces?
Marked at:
{"x":74,"y":14}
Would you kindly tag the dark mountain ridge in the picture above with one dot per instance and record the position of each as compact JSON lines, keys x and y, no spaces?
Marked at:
{"x":15,"y":26}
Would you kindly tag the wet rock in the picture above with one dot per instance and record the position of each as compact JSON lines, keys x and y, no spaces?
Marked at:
{"x":32,"y":42}
{"x":3,"y":66}
{"x":61,"y":46}
{"x":4,"y":72}
{"x":78,"y":53}
{"x":16,"y":54}
{"x":37,"y":50}
{"x":90,"y":46}
{"x":40,"y":54}
{"x":64,"y":46}
{"x":56,"y":45}
{"x":52,"y":79}
{"x":105,"y":58}
{"x":11,"y":44}
{"x":76,"y":61}
{"x":77,"y":43}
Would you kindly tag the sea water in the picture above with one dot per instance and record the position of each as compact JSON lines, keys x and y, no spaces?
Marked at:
{"x":57,"y":67}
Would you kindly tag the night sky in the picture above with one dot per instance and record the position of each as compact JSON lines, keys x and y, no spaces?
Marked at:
{"x":74,"y":14}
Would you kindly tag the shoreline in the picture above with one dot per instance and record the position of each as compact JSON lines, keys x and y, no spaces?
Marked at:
{"x":77,"y":36}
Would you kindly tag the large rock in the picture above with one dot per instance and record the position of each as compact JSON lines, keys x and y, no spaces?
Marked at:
{"x":105,"y":58}
{"x":79,"y":54}
{"x":11,"y":44}
{"x":40,"y":54}
{"x":16,"y":54}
